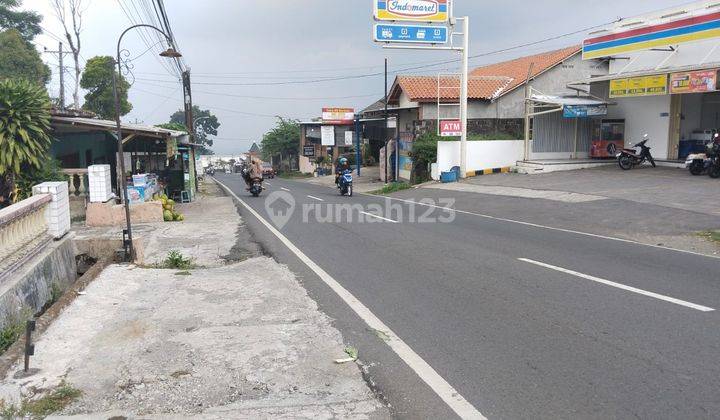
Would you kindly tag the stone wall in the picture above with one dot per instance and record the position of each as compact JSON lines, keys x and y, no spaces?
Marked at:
{"x":512,"y":127}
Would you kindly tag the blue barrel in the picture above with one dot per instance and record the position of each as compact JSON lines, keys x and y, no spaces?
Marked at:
{"x":448,"y":176}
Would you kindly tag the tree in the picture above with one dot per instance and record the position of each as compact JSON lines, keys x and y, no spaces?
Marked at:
{"x":25,"y":22}
{"x":20,"y":60}
{"x":97,"y":80}
{"x":72,"y":25}
{"x":283,"y":140}
{"x":24,"y":132}
{"x":206,"y":124}
{"x":424,"y":152}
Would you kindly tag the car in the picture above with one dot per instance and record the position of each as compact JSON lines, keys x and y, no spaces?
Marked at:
{"x":268,"y":171}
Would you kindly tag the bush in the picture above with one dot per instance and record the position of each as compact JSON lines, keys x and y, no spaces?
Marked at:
{"x":49,"y":170}
{"x":424,"y":152}
{"x":176,"y":260}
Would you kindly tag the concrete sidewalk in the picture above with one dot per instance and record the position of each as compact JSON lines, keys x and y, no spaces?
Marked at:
{"x":238,"y":340}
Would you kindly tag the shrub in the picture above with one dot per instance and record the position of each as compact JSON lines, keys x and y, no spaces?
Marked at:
{"x":176,"y":260}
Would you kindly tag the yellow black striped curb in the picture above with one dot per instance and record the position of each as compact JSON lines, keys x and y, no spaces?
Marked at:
{"x":503,"y":170}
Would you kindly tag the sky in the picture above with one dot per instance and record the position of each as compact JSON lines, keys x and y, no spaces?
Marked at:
{"x":251,"y":60}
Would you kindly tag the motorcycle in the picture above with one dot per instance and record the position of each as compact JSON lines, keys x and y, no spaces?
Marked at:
{"x":345,"y":183}
{"x":256,"y":187}
{"x":714,"y":158}
{"x":628,"y":158}
{"x":700,"y":163}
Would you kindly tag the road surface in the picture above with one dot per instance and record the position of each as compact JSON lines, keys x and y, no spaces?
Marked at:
{"x":520,"y":320}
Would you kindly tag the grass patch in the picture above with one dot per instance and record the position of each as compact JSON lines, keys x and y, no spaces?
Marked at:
{"x":10,"y":334}
{"x":183,"y":273}
{"x":711,"y":235}
{"x":51,"y":403}
{"x":176,"y":260}
{"x":391,"y":188}
{"x":293,"y":175}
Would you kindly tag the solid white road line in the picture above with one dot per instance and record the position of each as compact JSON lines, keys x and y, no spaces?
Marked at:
{"x":315,"y":198}
{"x":376,"y":216}
{"x":284,"y":189}
{"x":426,"y":372}
{"x":535,"y":225}
{"x":621,"y":286}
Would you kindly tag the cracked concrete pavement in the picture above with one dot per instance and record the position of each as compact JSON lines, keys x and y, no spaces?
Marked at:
{"x":238,"y":340}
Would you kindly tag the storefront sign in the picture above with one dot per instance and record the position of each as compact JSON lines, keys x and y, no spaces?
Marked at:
{"x":309,"y":151}
{"x":694,"y":81}
{"x":639,"y":86}
{"x":338,"y":116}
{"x":412,"y":10}
{"x":327,"y":135}
{"x":450,"y":128}
{"x":411,"y":34}
{"x":584,"y":111}
{"x":659,"y":35}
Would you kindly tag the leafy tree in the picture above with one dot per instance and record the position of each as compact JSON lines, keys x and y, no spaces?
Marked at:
{"x":24,"y":132}
{"x":97,"y":80}
{"x":283,"y":140}
{"x":20,"y":60}
{"x":206,"y":124}
{"x":25,"y":22}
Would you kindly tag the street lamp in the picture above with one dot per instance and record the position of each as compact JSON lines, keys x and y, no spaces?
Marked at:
{"x":169,"y":53}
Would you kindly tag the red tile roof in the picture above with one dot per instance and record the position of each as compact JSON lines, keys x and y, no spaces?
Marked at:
{"x":488,"y":82}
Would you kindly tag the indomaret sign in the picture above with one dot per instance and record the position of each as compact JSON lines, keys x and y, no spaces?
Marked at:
{"x":412,"y":10}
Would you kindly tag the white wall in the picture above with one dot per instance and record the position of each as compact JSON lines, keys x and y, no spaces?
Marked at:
{"x":645,"y":115}
{"x":481,"y":154}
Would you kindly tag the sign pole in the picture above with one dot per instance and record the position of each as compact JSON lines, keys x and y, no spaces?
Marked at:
{"x":464,"y":96}
{"x":358,"y":158}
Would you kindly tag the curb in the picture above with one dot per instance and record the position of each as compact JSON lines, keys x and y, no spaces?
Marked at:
{"x":503,"y":170}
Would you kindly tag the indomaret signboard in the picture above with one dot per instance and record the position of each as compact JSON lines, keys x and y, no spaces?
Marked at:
{"x":412,"y":10}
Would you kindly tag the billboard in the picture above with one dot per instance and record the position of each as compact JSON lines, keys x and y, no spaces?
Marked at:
{"x":694,"y":81}
{"x":584,"y":111}
{"x":338,"y":116}
{"x":411,"y":34}
{"x":639,"y":86}
{"x":327,"y":135}
{"x":681,"y":31}
{"x":412,"y":10}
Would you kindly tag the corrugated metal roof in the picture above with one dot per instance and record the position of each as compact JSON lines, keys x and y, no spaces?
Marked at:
{"x":111,"y":125}
{"x":567,"y":100}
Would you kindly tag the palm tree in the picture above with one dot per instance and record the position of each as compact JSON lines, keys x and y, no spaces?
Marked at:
{"x":24,"y":131}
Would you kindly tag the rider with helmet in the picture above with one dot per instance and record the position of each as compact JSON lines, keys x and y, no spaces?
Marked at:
{"x":342,"y":166}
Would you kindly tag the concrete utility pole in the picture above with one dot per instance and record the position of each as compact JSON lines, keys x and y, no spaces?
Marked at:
{"x":385,"y":129}
{"x":464,"y":96}
{"x":61,"y":72}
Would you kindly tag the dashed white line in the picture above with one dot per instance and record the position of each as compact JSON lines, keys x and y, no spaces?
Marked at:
{"x":267,"y":183}
{"x":379,"y":217}
{"x":427,"y":373}
{"x":620,"y":286}
{"x":284,"y":189}
{"x":315,"y":198}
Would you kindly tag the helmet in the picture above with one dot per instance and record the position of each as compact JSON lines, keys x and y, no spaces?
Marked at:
{"x":343,"y":161}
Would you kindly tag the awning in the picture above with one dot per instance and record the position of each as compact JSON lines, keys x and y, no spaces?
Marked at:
{"x":567,"y":100}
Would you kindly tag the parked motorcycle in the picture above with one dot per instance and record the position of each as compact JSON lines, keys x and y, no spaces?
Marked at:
{"x":256,"y":187}
{"x":700,"y":163}
{"x":713,"y":153}
{"x":629,"y":158}
{"x":345,"y":183}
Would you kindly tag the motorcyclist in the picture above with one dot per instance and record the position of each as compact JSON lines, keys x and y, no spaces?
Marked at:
{"x":342,"y":166}
{"x":252,"y":170}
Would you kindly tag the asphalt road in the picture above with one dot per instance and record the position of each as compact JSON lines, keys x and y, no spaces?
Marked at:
{"x":523,"y":321}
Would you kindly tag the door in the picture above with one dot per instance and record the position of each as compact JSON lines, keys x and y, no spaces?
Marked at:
{"x":675,"y":120}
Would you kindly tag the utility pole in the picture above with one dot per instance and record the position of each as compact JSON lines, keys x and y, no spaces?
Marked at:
{"x":464,"y":96}
{"x":189,"y":120}
{"x":61,"y":72}
{"x":385,"y":129}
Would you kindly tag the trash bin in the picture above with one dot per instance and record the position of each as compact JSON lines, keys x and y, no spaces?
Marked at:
{"x":456,"y":169}
{"x":448,"y":176}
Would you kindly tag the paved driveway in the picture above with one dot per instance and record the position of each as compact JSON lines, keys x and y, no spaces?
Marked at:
{"x":667,"y":187}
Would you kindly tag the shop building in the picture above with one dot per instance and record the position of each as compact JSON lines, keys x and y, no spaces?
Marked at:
{"x":662,"y":77}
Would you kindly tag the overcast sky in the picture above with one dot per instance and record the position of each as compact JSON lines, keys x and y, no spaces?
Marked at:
{"x":231,"y":43}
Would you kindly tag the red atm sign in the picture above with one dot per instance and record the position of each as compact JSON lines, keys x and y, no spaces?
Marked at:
{"x":450,"y":128}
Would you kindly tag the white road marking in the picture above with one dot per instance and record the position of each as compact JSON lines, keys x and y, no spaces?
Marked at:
{"x":267,"y":183}
{"x":376,"y":216}
{"x":315,"y":198}
{"x":535,"y":225}
{"x":284,"y":189}
{"x":426,"y":372}
{"x":620,"y":286}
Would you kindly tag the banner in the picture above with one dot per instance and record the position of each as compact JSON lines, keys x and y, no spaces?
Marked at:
{"x":694,"y":81}
{"x":584,"y":111}
{"x":327,"y":135}
{"x":338,"y":116}
{"x":639,"y":86}
{"x":412,"y":10}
